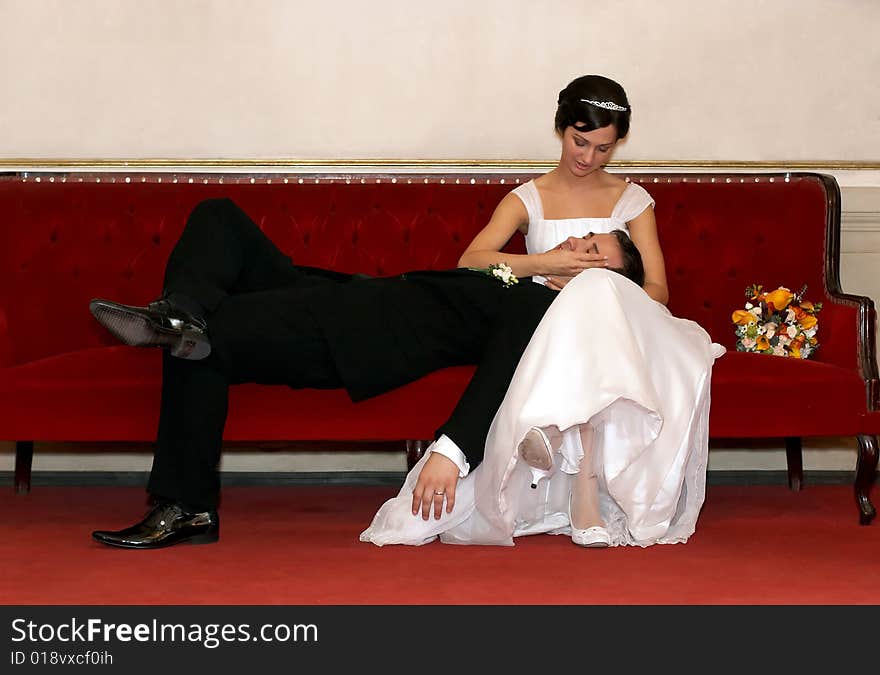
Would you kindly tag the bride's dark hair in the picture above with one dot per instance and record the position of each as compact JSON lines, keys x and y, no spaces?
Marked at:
{"x":607,"y":98}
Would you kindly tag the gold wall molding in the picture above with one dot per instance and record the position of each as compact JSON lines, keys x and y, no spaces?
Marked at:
{"x":183,"y":164}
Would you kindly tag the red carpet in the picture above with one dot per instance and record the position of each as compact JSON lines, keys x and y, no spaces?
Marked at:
{"x":299,"y":546}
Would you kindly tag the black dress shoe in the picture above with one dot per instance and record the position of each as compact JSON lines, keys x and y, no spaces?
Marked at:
{"x":165,"y":525}
{"x":159,"y":324}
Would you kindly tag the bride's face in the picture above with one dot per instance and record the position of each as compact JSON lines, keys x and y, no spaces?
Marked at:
{"x":585,"y":151}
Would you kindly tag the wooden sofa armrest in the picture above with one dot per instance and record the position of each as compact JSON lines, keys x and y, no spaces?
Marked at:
{"x":866,"y":315}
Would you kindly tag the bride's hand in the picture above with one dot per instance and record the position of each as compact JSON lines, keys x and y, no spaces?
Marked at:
{"x":562,"y":262}
{"x":438,"y":479}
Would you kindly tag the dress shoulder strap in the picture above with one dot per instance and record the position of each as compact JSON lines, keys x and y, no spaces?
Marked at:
{"x":634,"y":200}
{"x":529,"y":195}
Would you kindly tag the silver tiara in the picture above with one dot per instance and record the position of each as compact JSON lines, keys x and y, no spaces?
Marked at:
{"x":608,"y":105}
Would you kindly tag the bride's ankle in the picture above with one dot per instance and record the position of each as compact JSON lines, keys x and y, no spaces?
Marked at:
{"x":583,"y":507}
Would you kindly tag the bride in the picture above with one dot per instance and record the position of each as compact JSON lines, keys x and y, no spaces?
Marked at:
{"x":603,"y":432}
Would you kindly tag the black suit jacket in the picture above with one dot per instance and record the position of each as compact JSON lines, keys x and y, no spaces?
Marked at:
{"x":385,"y":332}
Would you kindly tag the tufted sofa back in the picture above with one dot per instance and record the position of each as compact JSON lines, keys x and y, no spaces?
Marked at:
{"x":65,"y":239}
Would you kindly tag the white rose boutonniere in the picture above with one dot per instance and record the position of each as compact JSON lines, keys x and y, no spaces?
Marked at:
{"x":500,"y":271}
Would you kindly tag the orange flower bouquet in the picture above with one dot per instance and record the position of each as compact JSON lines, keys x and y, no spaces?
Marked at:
{"x":777,"y":322}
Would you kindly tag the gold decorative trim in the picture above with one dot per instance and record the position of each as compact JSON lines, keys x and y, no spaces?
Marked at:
{"x":32,"y":164}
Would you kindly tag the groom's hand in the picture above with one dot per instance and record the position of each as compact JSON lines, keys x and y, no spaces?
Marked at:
{"x":438,"y":480}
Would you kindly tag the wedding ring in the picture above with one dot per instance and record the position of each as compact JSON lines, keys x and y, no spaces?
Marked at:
{"x":440,"y":494}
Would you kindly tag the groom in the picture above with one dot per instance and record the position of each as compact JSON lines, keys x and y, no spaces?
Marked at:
{"x":235,"y":309}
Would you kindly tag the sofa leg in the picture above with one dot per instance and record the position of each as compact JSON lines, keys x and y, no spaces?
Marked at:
{"x":866,"y":472}
{"x":414,"y":452}
{"x":24,"y":455}
{"x":795,"y":460}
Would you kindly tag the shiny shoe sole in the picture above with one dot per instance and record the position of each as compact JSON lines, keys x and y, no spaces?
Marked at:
{"x":133,"y":329}
{"x":535,"y":450}
{"x":210,"y":537}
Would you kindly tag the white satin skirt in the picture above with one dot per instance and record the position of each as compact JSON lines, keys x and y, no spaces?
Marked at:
{"x":607,"y":354}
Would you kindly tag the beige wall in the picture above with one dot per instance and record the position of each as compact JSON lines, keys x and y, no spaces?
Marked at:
{"x":719,"y":80}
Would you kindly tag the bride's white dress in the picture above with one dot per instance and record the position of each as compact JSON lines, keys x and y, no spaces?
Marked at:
{"x":606,"y":353}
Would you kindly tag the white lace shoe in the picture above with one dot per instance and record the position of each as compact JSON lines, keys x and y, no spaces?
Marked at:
{"x":536,"y":451}
{"x":592,"y":537}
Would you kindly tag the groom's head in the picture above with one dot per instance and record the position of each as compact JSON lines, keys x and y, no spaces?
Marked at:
{"x":623,"y":256}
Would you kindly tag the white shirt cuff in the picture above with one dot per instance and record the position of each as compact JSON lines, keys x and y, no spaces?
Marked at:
{"x":446,"y":447}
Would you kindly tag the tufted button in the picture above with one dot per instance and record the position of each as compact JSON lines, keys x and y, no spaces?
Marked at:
{"x":732,"y":272}
{"x":156,"y":240}
{"x":759,"y":238}
{"x":354,"y":237}
{"x":707,"y":304}
{"x":128,"y":273}
{"x":53,"y":236}
{"x":679,"y":271}
{"x":307,"y":237}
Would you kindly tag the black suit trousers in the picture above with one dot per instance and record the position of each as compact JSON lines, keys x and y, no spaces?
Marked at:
{"x":273,"y":322}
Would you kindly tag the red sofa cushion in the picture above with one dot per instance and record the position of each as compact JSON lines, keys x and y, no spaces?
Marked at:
{"x":116,"y":389}
{"x":112,"y":393}
{"x":780,"y":396}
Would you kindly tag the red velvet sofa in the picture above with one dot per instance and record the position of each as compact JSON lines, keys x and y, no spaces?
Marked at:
{"x":66,"y":238}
